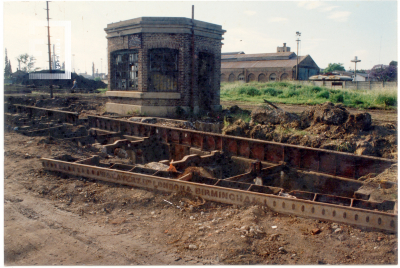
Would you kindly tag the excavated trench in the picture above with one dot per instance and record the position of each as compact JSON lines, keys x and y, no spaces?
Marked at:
{"x":156,"y":157}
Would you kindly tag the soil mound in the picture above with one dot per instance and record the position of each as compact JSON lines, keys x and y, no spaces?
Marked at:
{"x":238,"y":128}
{"x":267,"y":115}
{"x":326,"y":113}
{"x":329,"y":114}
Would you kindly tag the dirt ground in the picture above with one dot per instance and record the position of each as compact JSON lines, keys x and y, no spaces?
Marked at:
{"x":56,"y":219}
{"x":389,"y":116}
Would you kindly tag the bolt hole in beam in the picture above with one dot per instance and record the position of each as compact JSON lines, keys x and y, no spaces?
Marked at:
{"x":382,"y":221}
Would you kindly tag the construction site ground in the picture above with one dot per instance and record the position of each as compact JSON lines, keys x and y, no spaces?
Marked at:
{"x":57,"y":219}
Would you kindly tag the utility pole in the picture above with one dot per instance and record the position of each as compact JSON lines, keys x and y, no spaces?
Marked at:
{"x":298,"y":34}
{"x":355,"y":66}
{"x":193,"y":59}
{"x":48,"y":36}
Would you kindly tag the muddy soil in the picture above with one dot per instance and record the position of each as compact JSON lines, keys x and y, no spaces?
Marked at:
{"x":56,"y":219}
{"x":389,"y":116}
{"x":325,"y":126}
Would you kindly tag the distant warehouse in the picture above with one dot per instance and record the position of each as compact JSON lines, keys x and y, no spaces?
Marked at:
{"x":279,"y":66}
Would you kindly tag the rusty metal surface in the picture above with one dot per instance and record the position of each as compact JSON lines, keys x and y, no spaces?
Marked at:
{"x":219,"y":192}
{"x":69,"y":117}
{"x":304,"y":158}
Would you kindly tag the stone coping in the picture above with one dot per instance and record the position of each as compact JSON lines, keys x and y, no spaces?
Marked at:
{"x":167,"y":25}
{"x":144,"y":95}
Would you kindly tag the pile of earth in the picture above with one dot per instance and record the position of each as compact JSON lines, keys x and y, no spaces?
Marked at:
{"x":325,"y":126}
{"x":82,"y":82}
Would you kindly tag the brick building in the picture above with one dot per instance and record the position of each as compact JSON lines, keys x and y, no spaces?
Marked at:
{"x":265,"y":67}
{"x":150,"y":65}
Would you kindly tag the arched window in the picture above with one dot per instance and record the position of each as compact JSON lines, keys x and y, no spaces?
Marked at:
{"x":241,"y":77}
{"x":262,"y":78}
{"x":284,"y":76}
{"x":251,"y":77}
{"x":272,"y":77}
{"x":223,"y":77}
{"x":231,"y":78}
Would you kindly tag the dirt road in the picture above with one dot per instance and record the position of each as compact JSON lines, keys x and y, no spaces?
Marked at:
{"x":55,"y":219}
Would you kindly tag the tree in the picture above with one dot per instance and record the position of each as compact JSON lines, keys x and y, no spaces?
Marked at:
{"x":393,"y":63}
{"x":334,"y":67}
{"x":384,"y":73}
{"x":27,"y":61}
{"x":7,"y":66}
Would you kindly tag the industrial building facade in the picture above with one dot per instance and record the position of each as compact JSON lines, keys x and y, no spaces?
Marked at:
{"x":159,"y":63}
{"x":279,"y":66}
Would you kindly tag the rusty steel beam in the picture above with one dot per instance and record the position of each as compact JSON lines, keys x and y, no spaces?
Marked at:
{"x":214,"y":190}
{"x":300,"y":157}
{"x":69,"y":117}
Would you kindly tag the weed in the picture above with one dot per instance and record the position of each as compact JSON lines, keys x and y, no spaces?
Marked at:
{"x":271,"y":91}
{"x":323,"y":94}
{"x":102,"y":90}
{"x":337,"y":97}
{"x":316,"y":89}
{"x":294,"y":93}
{"x":249,"y":91}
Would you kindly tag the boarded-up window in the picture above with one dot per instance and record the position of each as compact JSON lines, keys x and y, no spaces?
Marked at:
{"x":125,"y":69}
{"x":251,"y":77}
{"x":284,"y":76}
{"x":262,"y":78}
{"x":272,"y":77}
{"x":241,"y":77}
{"x":231,"y":78}
{"x":163,"y":69}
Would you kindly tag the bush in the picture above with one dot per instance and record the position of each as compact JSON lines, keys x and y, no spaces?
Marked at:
{"x":281,"y":84}
{"x":316,"y":89}
{"x":387,"y":100}
{"x":289,"y":93}
{"x":337,"y":97}
{"x":271,"y":91}
{"x":323,"y":94}
{"x":249,"y":91}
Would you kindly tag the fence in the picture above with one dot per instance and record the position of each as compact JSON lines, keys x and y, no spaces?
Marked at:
{"x":351,"y":85}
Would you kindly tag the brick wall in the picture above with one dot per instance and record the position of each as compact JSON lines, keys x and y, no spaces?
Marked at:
{"x":256,"y":72}
{"x":182,"y":42}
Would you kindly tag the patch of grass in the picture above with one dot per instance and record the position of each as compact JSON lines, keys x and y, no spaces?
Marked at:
{"x":283,"y":130}
{"x":102,"y":90}
{"x":271,"y":91}
{"x":293,"y":93}
{"x":244,"y":116}
{"x":249,"y":91}
{"x":323,"y":94}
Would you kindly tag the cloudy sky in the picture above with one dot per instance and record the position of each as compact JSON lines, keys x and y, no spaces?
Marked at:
{"x":331,"y":31}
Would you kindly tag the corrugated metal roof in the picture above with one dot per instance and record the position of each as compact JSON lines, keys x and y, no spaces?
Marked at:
{"x":330,"y":77}
{"x":262,"y":63}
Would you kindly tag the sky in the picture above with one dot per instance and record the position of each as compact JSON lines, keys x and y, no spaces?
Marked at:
{"x":331,"y":31}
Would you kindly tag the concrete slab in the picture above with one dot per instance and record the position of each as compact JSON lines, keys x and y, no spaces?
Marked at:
{"x":144,"y":95}
{"x":127,"y":109}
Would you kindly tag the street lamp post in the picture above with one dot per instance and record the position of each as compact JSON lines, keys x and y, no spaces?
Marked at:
{"x":355,"y":66}
{"x":298,"y":34}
